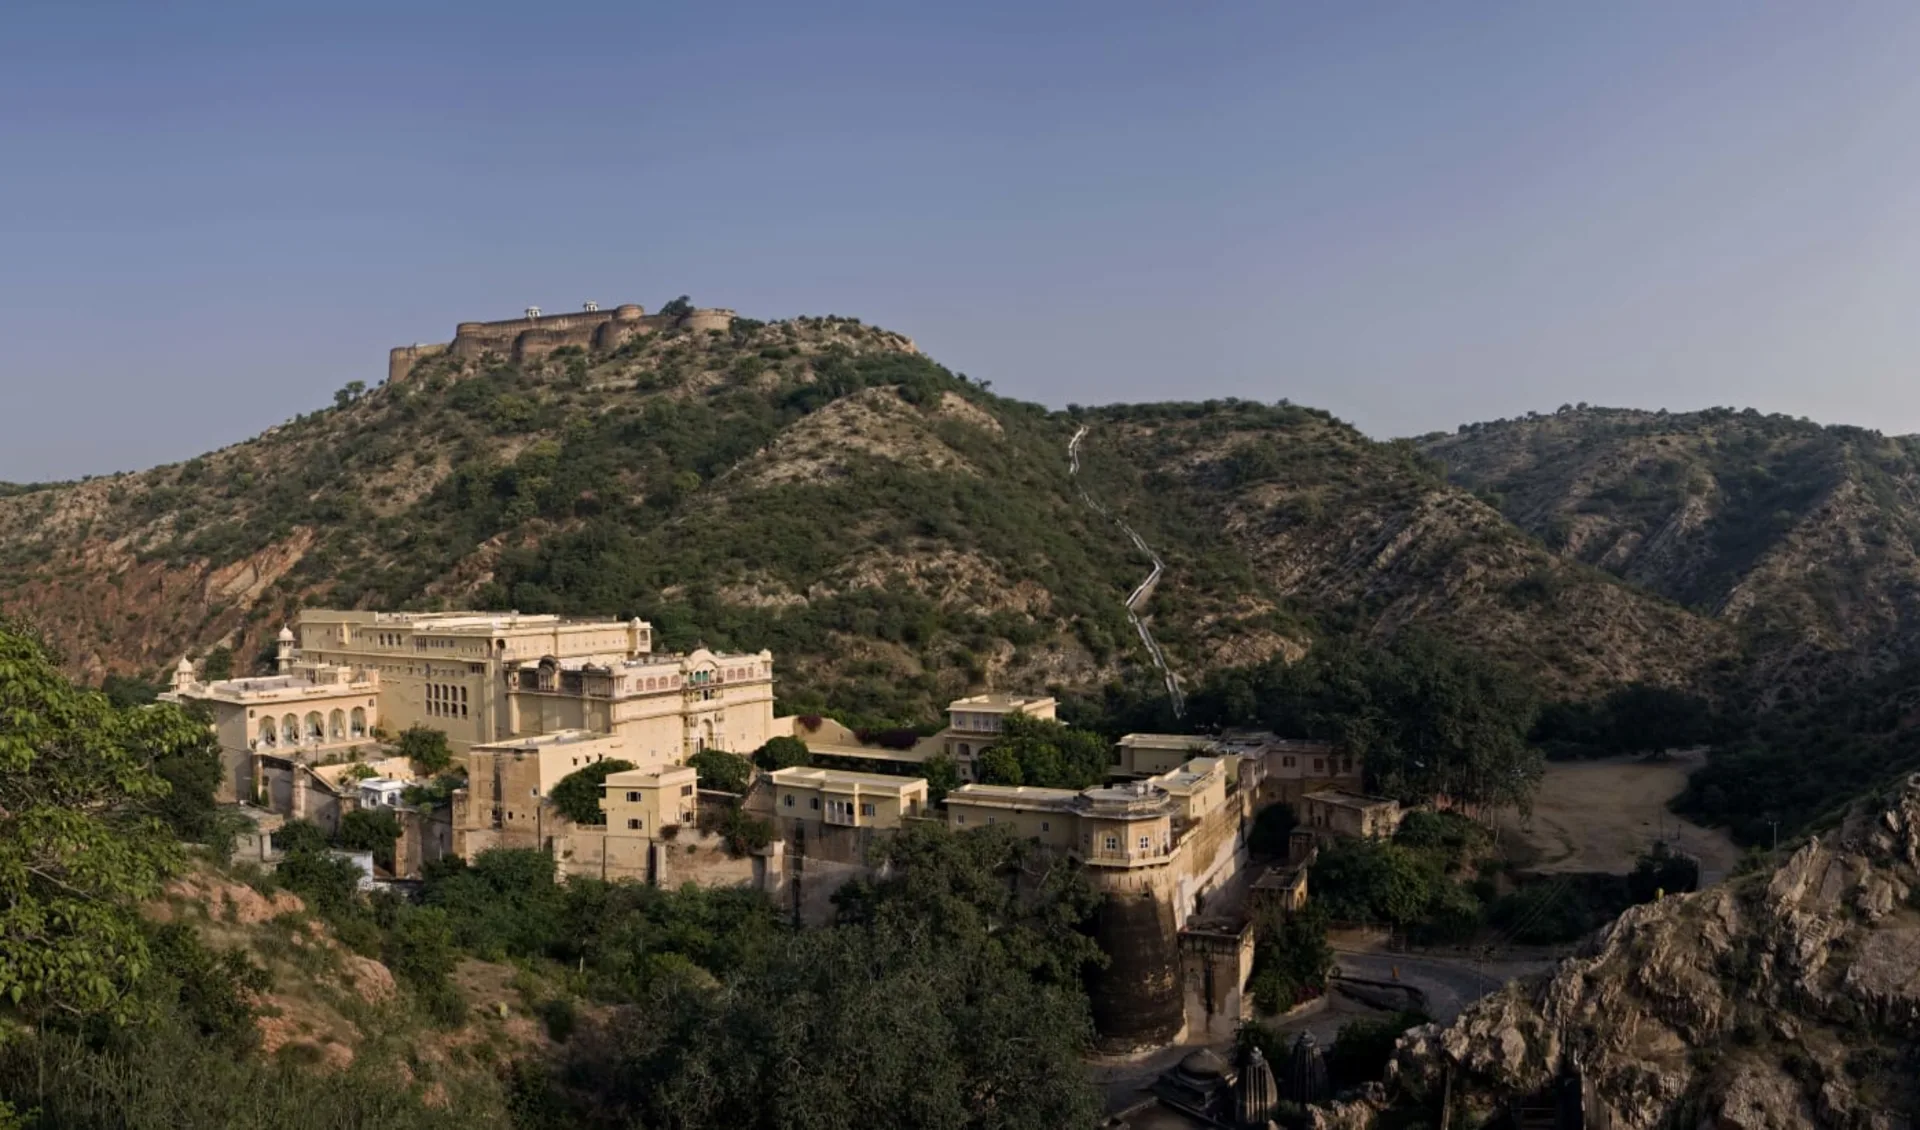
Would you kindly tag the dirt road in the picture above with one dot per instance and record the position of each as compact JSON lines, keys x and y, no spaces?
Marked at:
{"x":1600,"y":815}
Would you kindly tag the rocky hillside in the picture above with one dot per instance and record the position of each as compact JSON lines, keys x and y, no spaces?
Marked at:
{"x":1805,"y":539}
{"x":896,"y":533}
{"x":1778,"y":1000}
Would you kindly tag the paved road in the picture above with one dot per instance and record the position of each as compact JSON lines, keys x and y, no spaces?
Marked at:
{"x":1450,"y":984}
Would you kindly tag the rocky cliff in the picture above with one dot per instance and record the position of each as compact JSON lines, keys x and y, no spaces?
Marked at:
{"x":1776,"y":1000}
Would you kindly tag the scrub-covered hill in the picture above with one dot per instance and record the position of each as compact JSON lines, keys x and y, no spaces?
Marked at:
{"x":896,"y":533}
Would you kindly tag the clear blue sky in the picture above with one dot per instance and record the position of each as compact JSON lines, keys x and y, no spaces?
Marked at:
{"x":211,"y":216}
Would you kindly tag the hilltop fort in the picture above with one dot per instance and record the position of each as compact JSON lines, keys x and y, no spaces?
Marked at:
{"x":536,"y":334}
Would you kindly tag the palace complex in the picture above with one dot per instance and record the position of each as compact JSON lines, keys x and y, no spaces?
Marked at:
{"x":528,"y":701}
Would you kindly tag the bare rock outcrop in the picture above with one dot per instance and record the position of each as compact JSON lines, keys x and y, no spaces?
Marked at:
{"x":1782,"y":1000}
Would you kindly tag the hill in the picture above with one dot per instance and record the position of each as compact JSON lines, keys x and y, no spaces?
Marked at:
{"x":1801,"y":538}
{"x":897,"y":533}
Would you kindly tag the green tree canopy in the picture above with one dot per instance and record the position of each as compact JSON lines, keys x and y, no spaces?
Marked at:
{"x":942,"y":777}
{"x":426,"y":747}
{"x":80,"y":841}
{"x":371,"y":829}
{"x":577,"y":795}
{"x":218,"y":664}
{"x":726,"y":772}
{"x":1048,"y":754}
{"x":1430,"y":718}
{"x":781,"y":753}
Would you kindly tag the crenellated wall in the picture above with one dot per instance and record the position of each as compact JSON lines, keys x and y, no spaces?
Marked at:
{"x":529,"y":339}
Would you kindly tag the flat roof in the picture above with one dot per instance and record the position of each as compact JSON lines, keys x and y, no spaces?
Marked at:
{"x":1166,"y":741}
{"x":1350,"y":800}
{"x":540,"y":741}
{"x":1012,"y":795}
{"x":649,"y":776}
{"x":998,"y":702}
{"x":819,"y":775}
{"x":459,"y":621}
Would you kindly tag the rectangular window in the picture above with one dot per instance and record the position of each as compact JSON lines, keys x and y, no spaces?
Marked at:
{"x":789,"y":801}
{"x":1113,"y":843}
{"x":633,"y":825}
{"x":1319,"y":765}
{"x":1045,"y":826}
{"x":1286,"y":762}
{"x":686,"y":790}
{"x":1146,"y":842}
{"x":866,"y":808}
{"x":814,"y":804}
{"x":633,"y":797}
{"x":959,"y":819}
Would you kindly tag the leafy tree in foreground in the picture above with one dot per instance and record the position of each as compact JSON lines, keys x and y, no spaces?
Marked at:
{"x":80,"y":845}
{"x":577,"y":795}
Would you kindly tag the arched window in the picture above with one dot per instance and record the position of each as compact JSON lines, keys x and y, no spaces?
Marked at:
{"x":290,"y":730}
{"x":316,"y":727}
{"x":358,"y":727}
{"x":269,"y":732}
{"x":337,"y":725}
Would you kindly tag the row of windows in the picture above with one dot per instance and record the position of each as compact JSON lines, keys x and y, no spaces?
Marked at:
{"x":1320,"y":764}
{"x":446,"y":701}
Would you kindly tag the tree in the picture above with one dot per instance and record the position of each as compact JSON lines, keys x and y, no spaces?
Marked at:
{"x":1430,"y":718}
{"x":124,"y":690}
{"x":1048,"y":754}
{"x":301,"y":836}
{"x":80,"y":846}
{"x":1291,"y":958}
{"x":218,"y":664}
{"x":942,"y":776}
{"x":191,"y":770}
{"x":577,"y":795}
{"x":781,"y":753}
{"x":327,"y":881}
{"x":722,"y":771}
{"x":349,"y":394}
{"x":426,"y":747}
{"x":371,"y":829}
{"x":678,"y":308}
{"x":1001,"y":766}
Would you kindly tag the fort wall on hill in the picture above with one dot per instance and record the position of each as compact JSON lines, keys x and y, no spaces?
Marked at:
{"x":534,"y":336}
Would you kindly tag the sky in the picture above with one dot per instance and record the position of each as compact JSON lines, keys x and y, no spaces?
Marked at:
{"x":1413,"y":215}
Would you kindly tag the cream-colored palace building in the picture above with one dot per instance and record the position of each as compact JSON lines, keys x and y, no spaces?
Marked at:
{"x":307,"y":712}
{"x":485,"y":677}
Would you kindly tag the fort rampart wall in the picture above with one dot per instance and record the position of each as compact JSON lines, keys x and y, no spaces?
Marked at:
{"x":523,"y":339}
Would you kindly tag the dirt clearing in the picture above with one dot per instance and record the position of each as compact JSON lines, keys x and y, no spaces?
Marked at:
{"x":1600,"y":815}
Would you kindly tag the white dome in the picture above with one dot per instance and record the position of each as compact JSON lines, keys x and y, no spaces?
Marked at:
{"x":185,"y":666}
{"x":286,"y":635}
